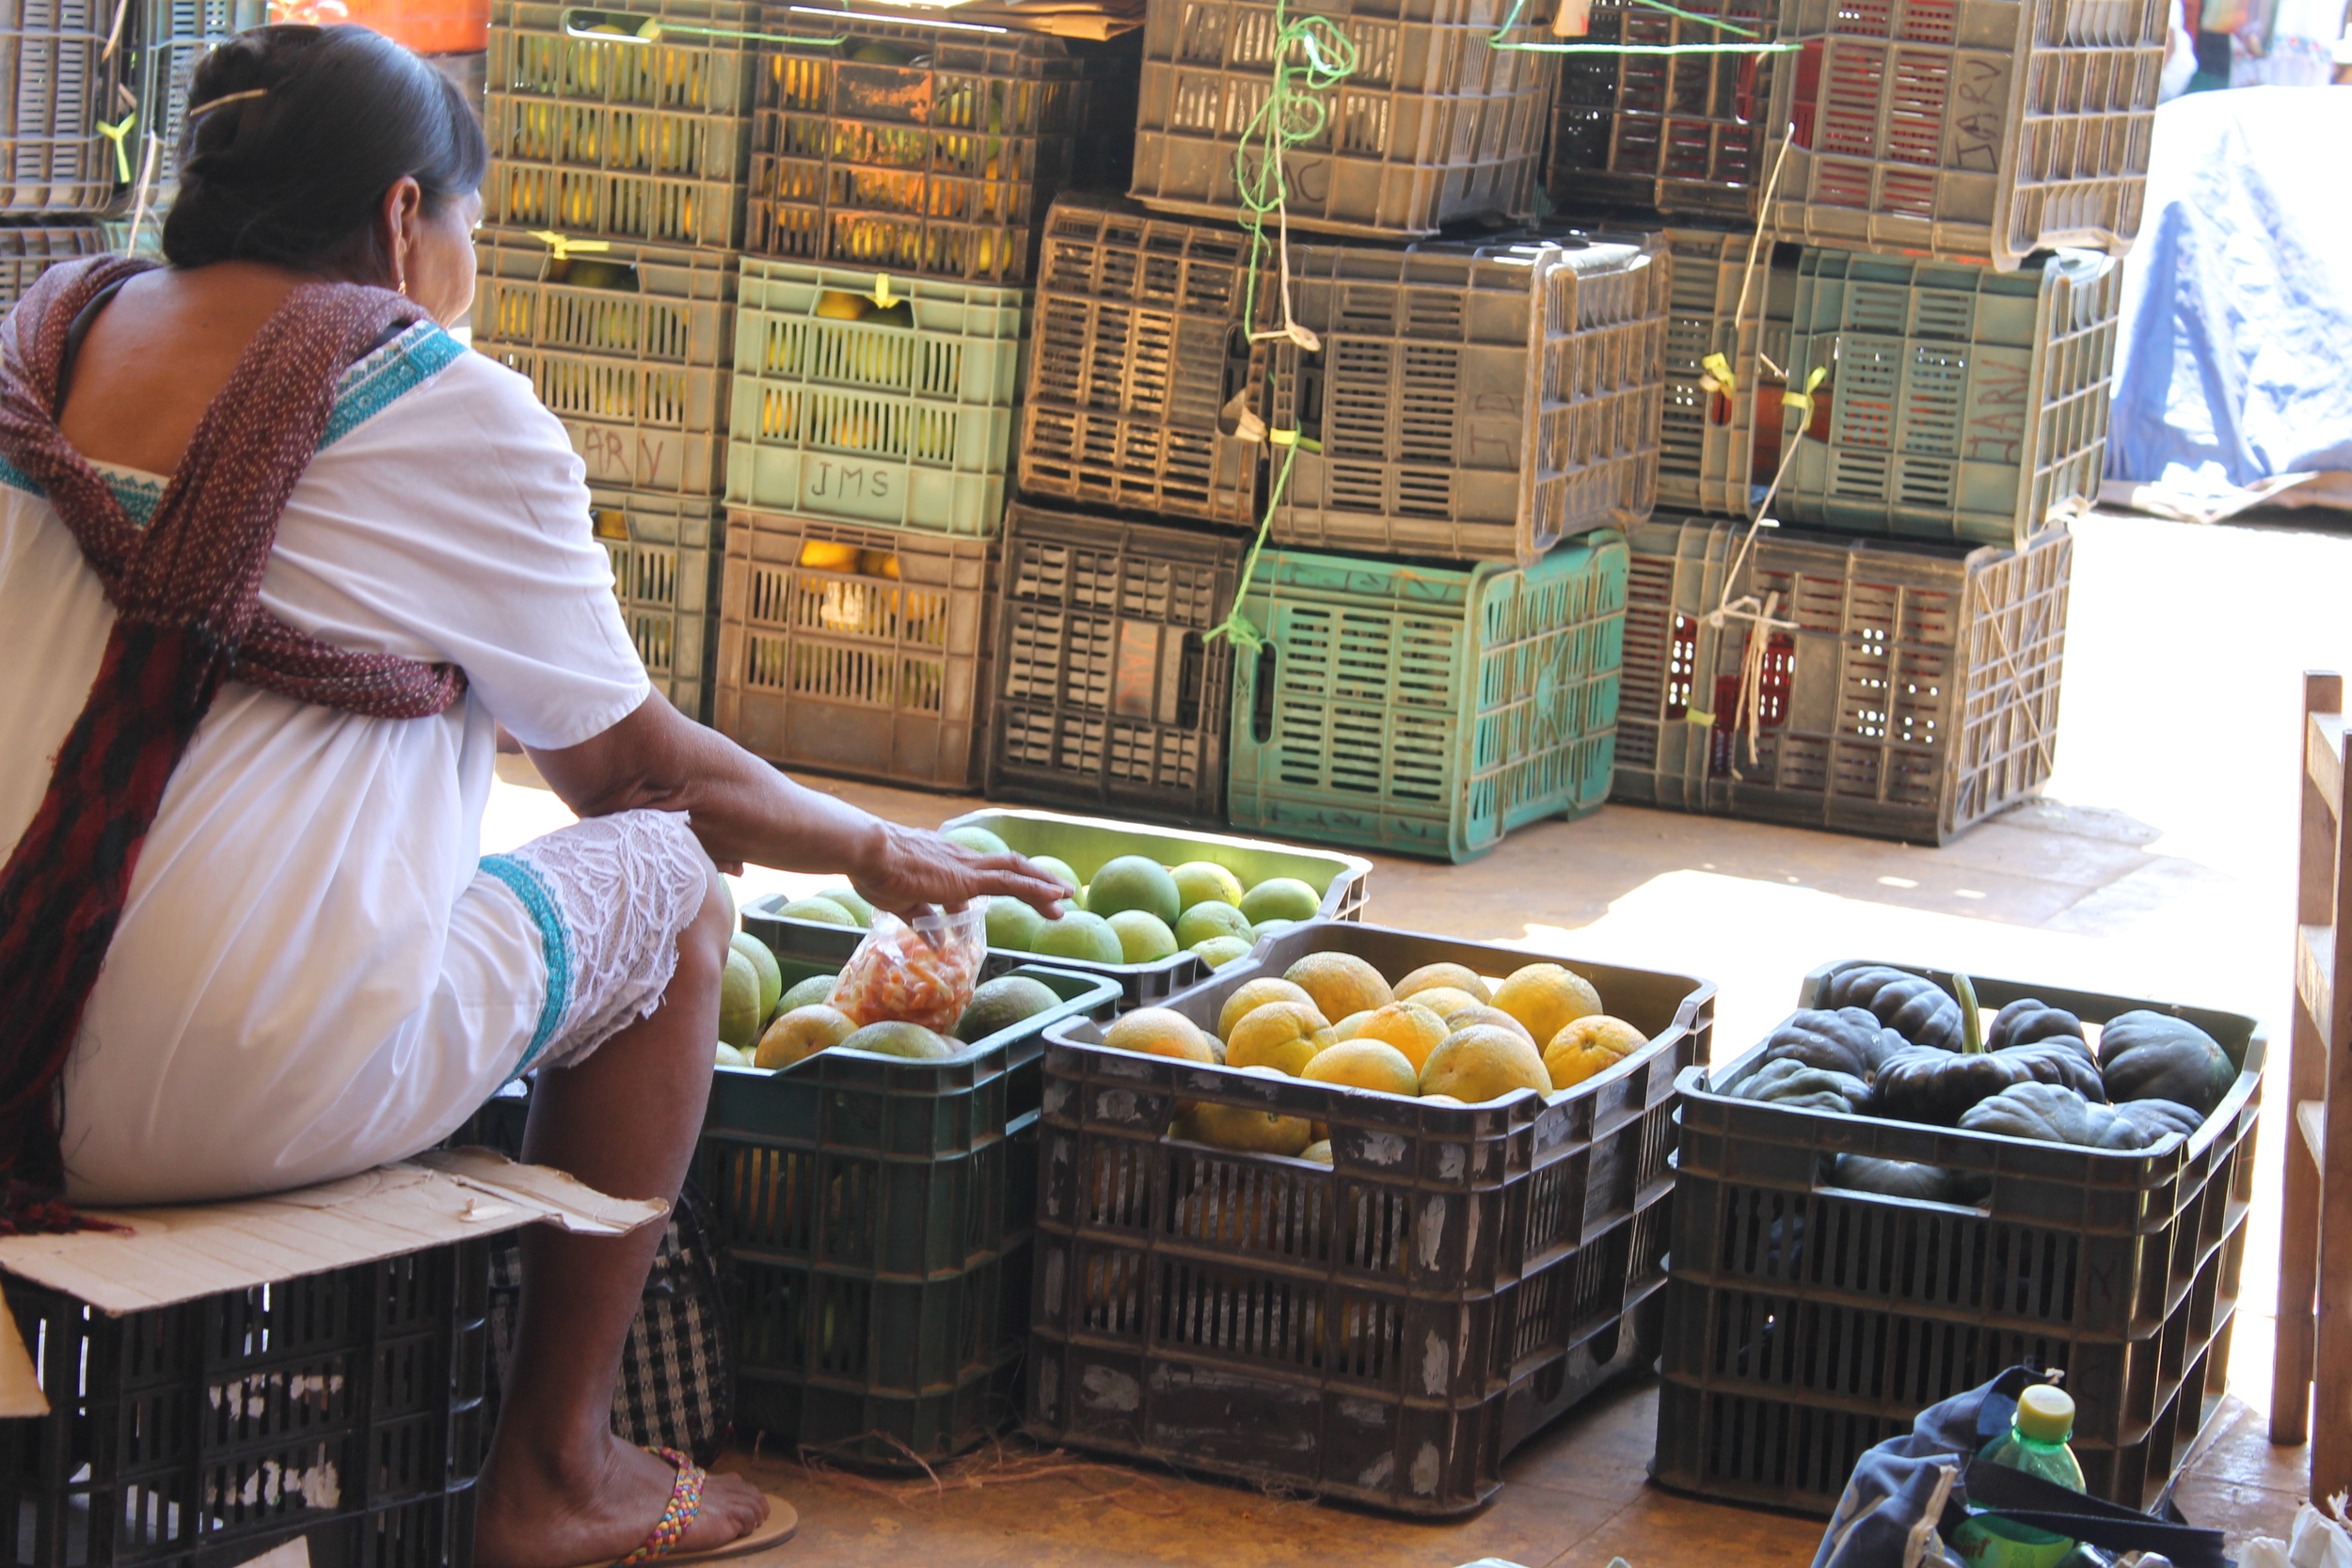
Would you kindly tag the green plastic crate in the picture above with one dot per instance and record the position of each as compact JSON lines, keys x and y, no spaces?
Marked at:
{"x":897,"y":1302}
{"x":1960,"y":403}
{"x":1427,"y":710}
{"x":666,"y":553}
{"x":903,"y":419}
{"x":628,"y":345}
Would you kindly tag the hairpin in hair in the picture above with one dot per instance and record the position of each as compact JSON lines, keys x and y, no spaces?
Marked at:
{"x":211,"y":103}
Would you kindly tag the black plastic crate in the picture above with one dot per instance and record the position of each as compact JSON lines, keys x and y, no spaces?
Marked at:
{"x":939,"y":163}
{"x":29,"y":250}
{"x":1109,"y":696}
{"x":173,"y":36}
{"x":1435,"y":126}
{"x":642,"y":137}
{"x":58,"y":83}
{"x":345,"y":1407}
{"x":1140,"y":347}
{"x":1909,"y":690}
{"x":1384,"y":1329}
{"x":1473,"y":400}
{"x":1680,"y":134}
{"x":1804,"y":1317}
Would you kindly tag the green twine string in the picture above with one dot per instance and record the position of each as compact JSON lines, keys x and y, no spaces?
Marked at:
{"x":1500,"y":39}
{"x":1237,"y":627}
{"x":1294,"y":114}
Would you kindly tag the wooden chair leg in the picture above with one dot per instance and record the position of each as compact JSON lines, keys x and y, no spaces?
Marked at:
{"x":2298,"y":1250}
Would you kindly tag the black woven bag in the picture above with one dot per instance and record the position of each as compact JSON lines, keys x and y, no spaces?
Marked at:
{"x":676,"y":1388}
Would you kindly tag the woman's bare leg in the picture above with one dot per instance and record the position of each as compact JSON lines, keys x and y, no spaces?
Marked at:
{"x":558,"y":1489}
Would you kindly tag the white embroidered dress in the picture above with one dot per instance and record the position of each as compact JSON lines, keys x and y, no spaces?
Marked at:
{"x":315,"y":972}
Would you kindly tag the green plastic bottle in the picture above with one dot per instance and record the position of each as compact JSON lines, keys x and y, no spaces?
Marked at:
{"x":2036,"y":1444}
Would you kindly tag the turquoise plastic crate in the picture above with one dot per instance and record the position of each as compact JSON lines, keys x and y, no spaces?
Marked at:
{"x":666,"y":553}
{"x":904,"y":419}
{"x":1960,"y":403}
{"x":1427,"y":710}
{"x":877,"y":1217}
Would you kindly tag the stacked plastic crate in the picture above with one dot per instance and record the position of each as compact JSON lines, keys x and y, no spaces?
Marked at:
{"x":1895,"y":229}
{"x":898,"y":173}
{"x":1432,"y":439}
{"x":65,"y":83}
{"x":612,"y":218}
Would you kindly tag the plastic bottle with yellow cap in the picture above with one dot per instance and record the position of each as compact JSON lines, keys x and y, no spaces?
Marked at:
{"x":2036,"y":1444}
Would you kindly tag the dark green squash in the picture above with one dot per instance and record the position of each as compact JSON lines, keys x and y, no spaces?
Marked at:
{"x":1788,"y":1082}
{"x":1850,"y":1040}
{"x":2144,"y":1123}
{"x":2026,"y":1021}
{"x":1938,"y":1086}
{"x":1913,"y":1006}
{"x":1899,"y":1179}
{"x":2047,"y":1112}
{"x":2147,"y":1055}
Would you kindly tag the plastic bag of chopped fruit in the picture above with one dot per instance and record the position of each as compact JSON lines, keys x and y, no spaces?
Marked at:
{"x":919,"y":972}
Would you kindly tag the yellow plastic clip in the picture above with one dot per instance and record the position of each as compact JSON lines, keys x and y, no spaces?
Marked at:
{"x":1700,"y":717}
{"x":883,"y":297}
{"x":1803,"y":402}
{"x":1715,"y":376}
{"x":1282,"y":437}
{"x":561,"y":247}
{"x":117,"y":134}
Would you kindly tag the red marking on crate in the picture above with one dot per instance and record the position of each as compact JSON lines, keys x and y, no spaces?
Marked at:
{"x":1808,"y":97}
{"x":1848,"y":124}
{"x":1915,"y":121}
{"x":1930,"y":21}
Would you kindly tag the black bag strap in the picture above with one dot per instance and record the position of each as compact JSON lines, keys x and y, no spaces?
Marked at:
{"x":2029,"y":1500}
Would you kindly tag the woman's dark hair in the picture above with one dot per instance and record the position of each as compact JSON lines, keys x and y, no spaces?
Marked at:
{"x":296,"y":172}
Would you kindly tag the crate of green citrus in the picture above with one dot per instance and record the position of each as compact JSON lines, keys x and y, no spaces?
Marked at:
{"x":1158,"y":908}
{"x":1357,"y":1214}
{"x":874,"y":1187}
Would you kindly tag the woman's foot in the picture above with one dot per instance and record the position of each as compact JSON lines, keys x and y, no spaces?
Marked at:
{"x":538,"y":1514}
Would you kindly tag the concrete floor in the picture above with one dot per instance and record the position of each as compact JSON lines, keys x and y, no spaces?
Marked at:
{"x":2160,"y":866}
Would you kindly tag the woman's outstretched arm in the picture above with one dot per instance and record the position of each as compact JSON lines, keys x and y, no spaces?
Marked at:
{"x":745,"y":811}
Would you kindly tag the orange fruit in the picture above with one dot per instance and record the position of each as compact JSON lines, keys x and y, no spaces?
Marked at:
{"x":1429,"y":977}
{"x":1345,"y":1028}
{"x":1546,"y":997}
{"x":1159,"y":1032}
{"x":1284,"y":1036}
{"x":1251,"y":994}
{"x":1445,"y":1001}
{"x":1247,"y":1129}
{"x":1589,"y":1045}
{"x":1320,"y":1153}
{"x":1411,"y":1028}
{"x":1364,"y":1064}
{"x":1483,"y":1063}
{"x":1440,"y":1100}
{"x":1341,"y":983}
{"x":1495,"y":1016}
{"x":801,"y":1033}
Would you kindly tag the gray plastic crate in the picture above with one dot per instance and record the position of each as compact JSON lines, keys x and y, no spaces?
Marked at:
{"x":1472,"y":402}
{"x":666,"y":553}
{"x":28,"y":250}
{"x":57,"y":84}
{"x":1916,"y":696}
{"x":1436,"y":125}
{"x":628,"y":346}
{"x":1968,"y":129}
{"x":596,"y":133}
{"x":921,"y":149}
{"x":1959,"y":402}
{"x":173,"y":36}
{"x":1140,"y":346}
{"x":1707,"y":456}
{"x":856,"y":650}
{"x":1680,"y":134}
{"x":1110,"y":697}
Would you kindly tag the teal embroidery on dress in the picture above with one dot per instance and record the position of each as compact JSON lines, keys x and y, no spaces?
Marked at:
{"x":554,"y":943}
{"x":376,"y":382}
{"x":138,"y":496}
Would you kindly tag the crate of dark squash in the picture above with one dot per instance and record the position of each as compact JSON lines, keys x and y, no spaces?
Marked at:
{"x":1917,"y":1180}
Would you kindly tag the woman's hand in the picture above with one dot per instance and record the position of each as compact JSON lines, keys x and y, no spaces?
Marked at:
{"x":906,"y":868}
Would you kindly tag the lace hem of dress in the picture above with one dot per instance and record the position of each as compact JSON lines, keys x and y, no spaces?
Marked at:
{"x":623,"y":888}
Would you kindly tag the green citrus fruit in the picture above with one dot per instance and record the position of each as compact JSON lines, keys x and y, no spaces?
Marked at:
{"x":1134,"y":882}
{"x":1281,"y":899}
{"x":1145,"y":937}
{"x":1201,"y":882}
{"x":1014,"y":924}
{"x":979,"y":840}
{"x":1213,"y":918}
{"x":1080,"y":934}
{"x":1219,"y":951}
{"x":911,"y":1040}
{"x":764,"y":963}
{"x":806,"y":994}
{"x":998,"y":1004}
{"x":738,"y":1002}
{"x":823,"y":911}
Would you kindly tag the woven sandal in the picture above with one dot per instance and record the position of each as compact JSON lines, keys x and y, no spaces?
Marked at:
{"x":686,"y":1499}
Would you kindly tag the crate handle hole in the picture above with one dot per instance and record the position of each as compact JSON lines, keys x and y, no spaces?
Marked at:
{"x":594,"y":272}
{"x":1261,"y":708}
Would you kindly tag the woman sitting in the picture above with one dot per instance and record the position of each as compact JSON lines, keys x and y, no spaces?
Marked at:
{"x":277,"y":557}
